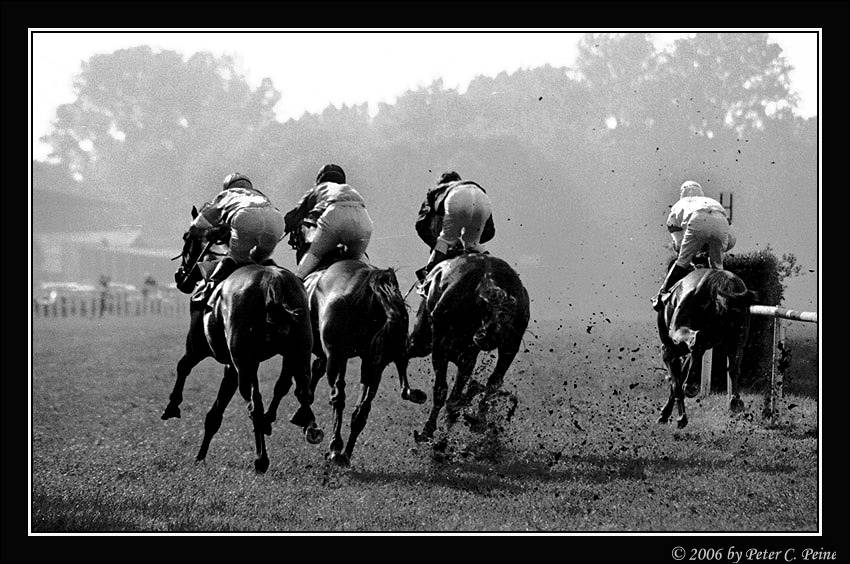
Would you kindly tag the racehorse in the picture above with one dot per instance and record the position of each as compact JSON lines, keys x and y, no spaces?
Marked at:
{"x":708,"y":307}
{"x":356,"y":310}
{"x":258,"y":312}
{"x":473,"y":302}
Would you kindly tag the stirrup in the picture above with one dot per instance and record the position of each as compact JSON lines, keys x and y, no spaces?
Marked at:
{"x":421,"y":274}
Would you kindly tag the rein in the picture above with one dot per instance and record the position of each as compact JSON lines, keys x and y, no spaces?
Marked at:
{"x":201,"y":254}
{"x":411,"y":289}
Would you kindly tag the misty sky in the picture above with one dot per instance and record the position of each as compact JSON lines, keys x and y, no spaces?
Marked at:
{"x":312,"y":70}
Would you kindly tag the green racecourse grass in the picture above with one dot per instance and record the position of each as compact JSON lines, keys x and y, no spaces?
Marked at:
{"x":582,"y":452}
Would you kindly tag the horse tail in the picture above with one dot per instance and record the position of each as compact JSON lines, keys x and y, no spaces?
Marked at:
{"x":277,"y":311}
{"x":391,"y":339}
{"x":496,"y":299}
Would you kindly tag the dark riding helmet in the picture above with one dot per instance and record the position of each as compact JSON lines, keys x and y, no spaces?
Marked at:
{"x":446,"y":177}
{"x":331,"y":173}
{"x":236,"y":179}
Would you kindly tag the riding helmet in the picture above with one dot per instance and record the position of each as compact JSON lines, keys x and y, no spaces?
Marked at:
{"x":236,"y":179}
{"x":331,"y":173}
{"x":446,"y":177}
{"x":690,"y":188}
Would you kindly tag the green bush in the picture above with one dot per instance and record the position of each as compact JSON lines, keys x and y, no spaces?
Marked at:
{"x":762,"y":272}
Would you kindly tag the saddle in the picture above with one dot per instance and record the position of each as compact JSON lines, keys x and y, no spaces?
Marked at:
{"x":206,"y":269}
{"x":441,"y":268}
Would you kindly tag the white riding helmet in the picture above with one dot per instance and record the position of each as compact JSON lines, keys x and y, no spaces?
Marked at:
{"x":690,"y":188}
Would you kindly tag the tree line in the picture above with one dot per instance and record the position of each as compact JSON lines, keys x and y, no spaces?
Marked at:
{"x":593,"y":153}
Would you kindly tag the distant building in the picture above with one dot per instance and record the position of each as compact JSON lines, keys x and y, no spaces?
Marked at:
{"x":77,"y":239}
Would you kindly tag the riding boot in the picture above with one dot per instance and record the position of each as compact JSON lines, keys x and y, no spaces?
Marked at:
{"x":435,"y":258}
{"x":675,"y":274}
{"x":308,"y":263}
{"x":222,"y":270}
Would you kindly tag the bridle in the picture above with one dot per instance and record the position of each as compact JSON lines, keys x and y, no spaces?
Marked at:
{"x":188,"y":264}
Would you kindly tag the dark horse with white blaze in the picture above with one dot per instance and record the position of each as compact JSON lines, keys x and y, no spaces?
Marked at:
{"x":258,"y":312}
{"x":472,"y":303}
{"x":356,"y":310}
{"x":708,"y":307}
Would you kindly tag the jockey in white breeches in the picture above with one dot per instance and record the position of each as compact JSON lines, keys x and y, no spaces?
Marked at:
{"x":695,"y":222}
{"x":455,"y":210}
{"x":255,"y":225}
{"x":341,"y":218}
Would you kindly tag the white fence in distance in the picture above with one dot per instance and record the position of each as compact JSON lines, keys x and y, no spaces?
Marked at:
{"x":114,"y":304}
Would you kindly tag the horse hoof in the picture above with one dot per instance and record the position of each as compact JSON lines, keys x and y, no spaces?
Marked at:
{"x":422,"y":437}
{"x":302,"y":417}
{"x":662,"y":419}
{"x":170,"y":411}
{"x":682,"y":422}
{"x":414,"y":396}
{"x":340,"y":459}
{"x":736,"y":405}
{"x":477,"y":424}
{"x":314,"y":435}
{"x":261,"y":465}
{"x":473,"y":388}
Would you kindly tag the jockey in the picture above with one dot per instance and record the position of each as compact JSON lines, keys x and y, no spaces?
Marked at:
{"x":254,"y":225}
{"x":695,"y":222}
{"x":340,"y":214}
{"x":454,"y":210}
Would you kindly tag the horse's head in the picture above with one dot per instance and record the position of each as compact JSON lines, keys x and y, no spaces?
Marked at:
{"x":196,"y":242}
{"x":498,"y":310}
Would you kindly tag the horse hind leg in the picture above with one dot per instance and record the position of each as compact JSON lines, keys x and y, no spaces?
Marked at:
{"x":317,"y":370}
{"x":693,"y":380}
{"x":305,"y":388}
{"x":455,"y":401}
{"x":368,"y":390}
{"x":336,"y":379}
{"x":407,"y":393}
{"x":249,"y":389}
{"x":678,"y":389}
{"x":281,"y":388}
{"x":736,"y":404}
{"x":441,"y":366}
{"x":673,"y":370}
{"x":494,"y":382}
{"x":228,"y":386}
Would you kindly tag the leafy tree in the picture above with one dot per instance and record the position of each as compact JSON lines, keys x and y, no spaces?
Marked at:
{"x":151,"y":127}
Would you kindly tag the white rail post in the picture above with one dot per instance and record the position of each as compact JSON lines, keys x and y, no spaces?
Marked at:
{"x":705,"y":378}
{"x":777,"y":373}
